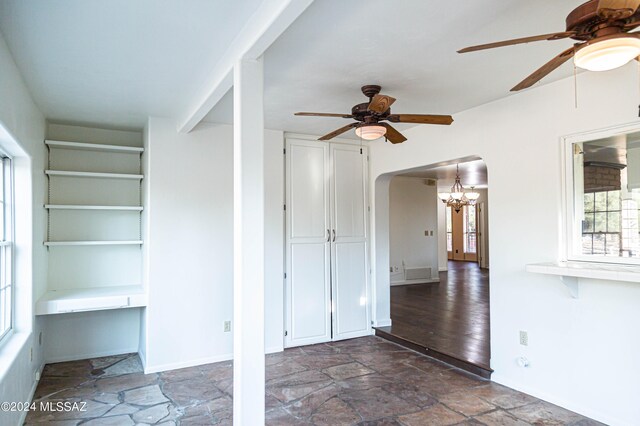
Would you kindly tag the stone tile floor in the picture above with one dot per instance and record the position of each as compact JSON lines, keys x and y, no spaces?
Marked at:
{"x":366,"y":381}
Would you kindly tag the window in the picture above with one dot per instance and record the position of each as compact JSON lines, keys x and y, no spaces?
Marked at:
{"x":6,"y":246}
{"x":603,"y":196}
{"x":449,"y":230}
{"x":469,"y":226}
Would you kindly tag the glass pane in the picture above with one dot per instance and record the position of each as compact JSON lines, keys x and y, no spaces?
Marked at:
{"x":600,"y":222}
{"x":449,"y":241}
{"x":601,"y":201}
{"x":471,"y":219}
{"x":471,"y":245}
{"x":612,"y":244}
{"x":588,"y":202}
{"x":598,"y":244}
{"x":449,"y":228}
{"x":587,"y":244}
{"x":613,"y":222}
{"x":613,"y":200}
{"x":587,"y":225}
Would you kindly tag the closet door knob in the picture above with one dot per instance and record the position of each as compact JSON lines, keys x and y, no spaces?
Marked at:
{"x":334,"y":235}
{"x":328,"y":235}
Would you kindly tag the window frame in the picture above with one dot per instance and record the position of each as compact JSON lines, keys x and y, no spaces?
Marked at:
{"x":572,"y":229}
{"x":465,"y":228}
{"x":8,"y":244}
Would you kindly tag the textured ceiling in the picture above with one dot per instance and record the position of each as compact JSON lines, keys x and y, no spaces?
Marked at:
{"x":409,"y":48}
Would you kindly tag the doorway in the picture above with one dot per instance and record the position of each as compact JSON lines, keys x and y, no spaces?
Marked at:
{"x":446,"y":315}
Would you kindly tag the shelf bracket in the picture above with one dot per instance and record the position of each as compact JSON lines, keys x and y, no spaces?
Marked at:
{"x":572,"y":285}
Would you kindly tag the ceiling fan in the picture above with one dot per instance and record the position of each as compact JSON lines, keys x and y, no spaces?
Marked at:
{"x":601,"y":28}
{"x":369,"y":115}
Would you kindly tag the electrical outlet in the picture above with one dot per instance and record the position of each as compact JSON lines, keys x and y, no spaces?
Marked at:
{"x":227,"y":326}
{"x":426,"y":233}
{"x":524,"y":338}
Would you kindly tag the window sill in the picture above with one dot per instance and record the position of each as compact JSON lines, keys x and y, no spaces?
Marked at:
{"x":569,"y":272}
{"x":9,"y":350}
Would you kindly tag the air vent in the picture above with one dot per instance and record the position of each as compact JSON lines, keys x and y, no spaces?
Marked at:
{"x":422,"y":273}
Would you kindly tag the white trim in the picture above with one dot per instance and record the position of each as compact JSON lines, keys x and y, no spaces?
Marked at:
{"x":32,"y":392}
{"x":314,"y":138}
{"x":184,"y":364}
{"x":382,"y":323}
{"x":570,"y":244}
{"x":412,"y":282}
{"x":587,"y":411}
{"x":83,"y":356}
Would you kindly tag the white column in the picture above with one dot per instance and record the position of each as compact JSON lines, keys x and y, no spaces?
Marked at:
{"x":248,"y":244}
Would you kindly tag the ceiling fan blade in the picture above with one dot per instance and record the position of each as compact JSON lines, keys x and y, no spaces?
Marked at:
{"x":552,"y":36}
{"x":323,"y":114}
{"x":420,"y":119}
{"x":381,"y":103}
{"x":546,"y":69}
{"x":392,"y":134}
{"x":340,"y":131}
{"x":617,"y":9}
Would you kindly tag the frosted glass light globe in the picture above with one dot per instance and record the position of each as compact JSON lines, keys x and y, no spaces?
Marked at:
{"x":607,"y":54}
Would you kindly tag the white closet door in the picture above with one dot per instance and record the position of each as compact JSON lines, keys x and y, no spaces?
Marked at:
{"x":308,"y":282}
{"x":350,"y":271}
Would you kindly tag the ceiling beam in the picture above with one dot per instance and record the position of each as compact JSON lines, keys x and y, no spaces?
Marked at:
{"x":264,"y":27}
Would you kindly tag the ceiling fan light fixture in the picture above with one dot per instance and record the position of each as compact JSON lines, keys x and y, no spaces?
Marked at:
{"x":371,"y":132}
{"x":609,"y":54}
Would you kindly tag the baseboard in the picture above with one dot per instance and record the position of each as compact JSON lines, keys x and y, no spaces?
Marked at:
{"x":274,"y":349}
{"x":578,"y":408}
{"x":32,"y":392}
{"x":443,"y":269}
{"x":412,"y":282}
{"x":91,"y":355}
{"x":382,"y":323}
{"x":190,"y":363}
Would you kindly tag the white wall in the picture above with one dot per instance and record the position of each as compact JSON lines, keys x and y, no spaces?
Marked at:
{"x":189,"y":228}
{"x":412,"y":211}
{"x":582,"y":356}
{"x":22,"y":128}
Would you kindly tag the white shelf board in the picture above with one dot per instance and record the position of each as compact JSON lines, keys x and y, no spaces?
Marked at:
{"x":90,"y":207}
{"x":93,"y":174}
{"x":92,"y":243}
{"x":91,"y":299}
{"x":569,"y":272}
{"x":93,"y":147}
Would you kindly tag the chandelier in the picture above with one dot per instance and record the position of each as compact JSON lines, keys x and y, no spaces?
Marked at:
{"x":457,"y":197}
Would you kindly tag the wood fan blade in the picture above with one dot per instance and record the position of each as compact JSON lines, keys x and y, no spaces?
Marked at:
{"x":340,"y":131}
{"x":420,"y":119}
{"x":546,"y":69}
{"x":617,"y":9}
{"x":381,"y":103}
{"x":323,"y":114}
{"x":552,"y":36}
{"x":392,"y":134}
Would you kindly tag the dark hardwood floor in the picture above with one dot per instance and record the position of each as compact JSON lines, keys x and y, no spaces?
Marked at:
{"x":449,"y":318}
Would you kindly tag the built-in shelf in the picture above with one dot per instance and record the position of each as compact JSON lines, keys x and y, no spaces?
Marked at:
{"x":93,"y":174}
{"x":93,"y":147}
{"x":91,"y":207}
{"x":569,"y":272}
{"x":92,"y":243}
{"x":91,"y":299}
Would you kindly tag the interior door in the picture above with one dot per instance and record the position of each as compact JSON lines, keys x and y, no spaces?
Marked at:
{"x":308,"y":279}
{"x":350,"y":270}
